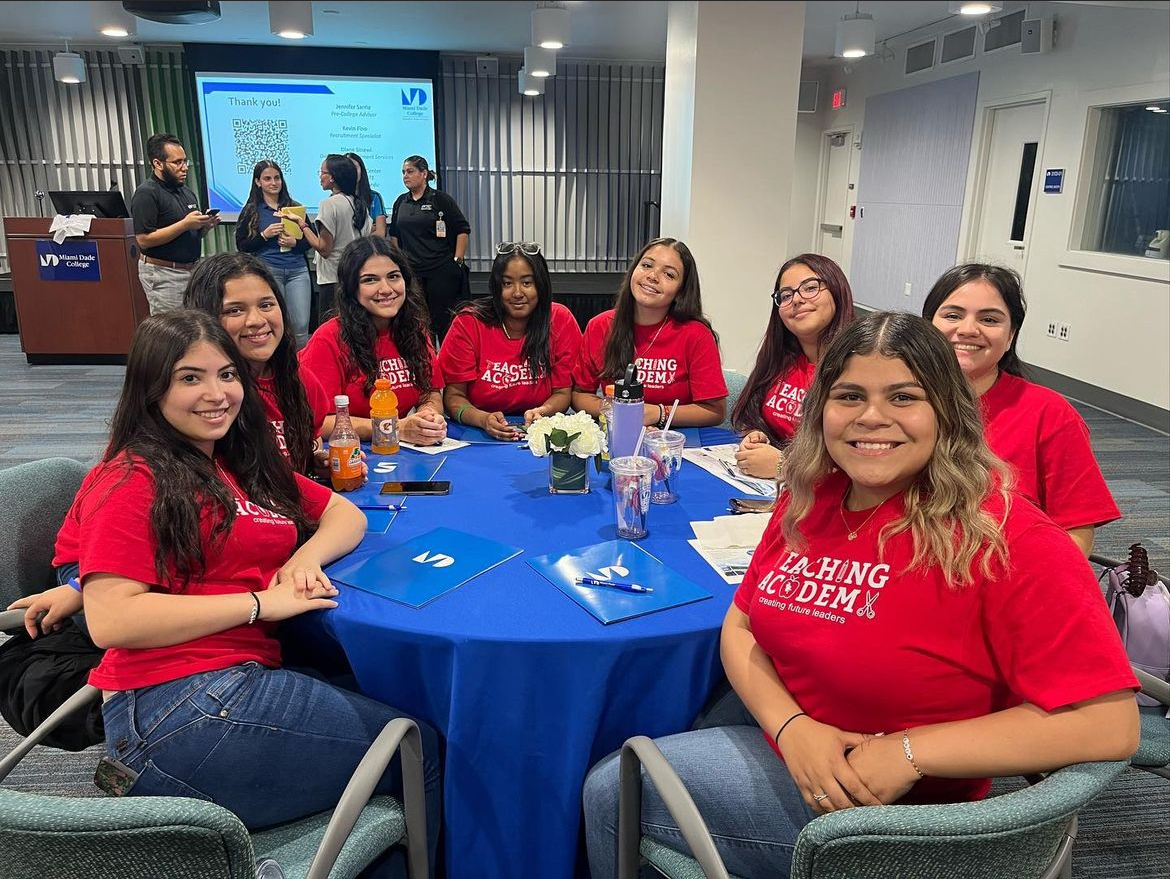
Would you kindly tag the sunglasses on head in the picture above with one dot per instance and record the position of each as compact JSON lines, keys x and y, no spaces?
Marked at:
{"x":529,"y":247}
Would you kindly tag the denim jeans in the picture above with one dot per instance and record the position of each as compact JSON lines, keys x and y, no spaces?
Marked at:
{"x":750,"y":803}
{"x":297,"y":289}
{"x":270,"y":745}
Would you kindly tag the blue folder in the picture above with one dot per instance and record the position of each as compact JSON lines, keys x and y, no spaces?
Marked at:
{"x":465,"y":433}
{"x":622,"y":561}
{"x":419,"y":571}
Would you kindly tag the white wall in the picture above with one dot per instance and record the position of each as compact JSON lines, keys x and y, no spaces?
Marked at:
{"x":1102,"y":55}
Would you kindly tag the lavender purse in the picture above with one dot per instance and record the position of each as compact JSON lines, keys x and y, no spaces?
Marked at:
{"x":1140,"y":606}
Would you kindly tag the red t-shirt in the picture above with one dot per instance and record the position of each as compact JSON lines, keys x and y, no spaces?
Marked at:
{"x":784,"y":402}
{"x":867,"y":646}
{"x":499,"y":380}
{"x":1046,"y":441}
{"x":676,"y":360}
{"x":327,"y":357}
{"x":112,"y":515}
{"x":320,"y":403}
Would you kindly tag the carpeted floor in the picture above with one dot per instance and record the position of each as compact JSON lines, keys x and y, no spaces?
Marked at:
{"x":64,"y":410}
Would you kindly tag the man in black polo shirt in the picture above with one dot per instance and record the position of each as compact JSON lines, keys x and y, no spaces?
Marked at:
{"x":168,"y":225}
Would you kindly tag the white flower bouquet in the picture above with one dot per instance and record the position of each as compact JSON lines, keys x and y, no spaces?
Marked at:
{"x":577,"y":434}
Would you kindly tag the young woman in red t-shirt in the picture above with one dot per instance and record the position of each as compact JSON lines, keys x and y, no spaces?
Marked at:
{"x":980,"y":309}
{"x":195,"y":539}
{"x":895,"y":637}
{"x":657,"y":323}
{"x":381,"y":331}
{"x":813,"y":302}
{"x":512,"y":352}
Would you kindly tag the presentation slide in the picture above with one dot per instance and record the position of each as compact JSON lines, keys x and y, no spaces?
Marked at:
{"x":297,"y":120}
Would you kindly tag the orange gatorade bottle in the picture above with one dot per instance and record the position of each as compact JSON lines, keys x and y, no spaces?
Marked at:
{"x":345,"y":450}
{"x":384,"y":415}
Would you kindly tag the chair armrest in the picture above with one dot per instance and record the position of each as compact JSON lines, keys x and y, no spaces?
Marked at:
{"x":640,"y":752}
{"x":400,"y":732}
{"x":1152,"y":686}
{"x":75,"y":702}
{"x":12,"y":620}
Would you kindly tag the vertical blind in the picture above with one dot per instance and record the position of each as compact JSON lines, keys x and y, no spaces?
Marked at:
{"x":1136,"y":187}
{"x":575,"y":169}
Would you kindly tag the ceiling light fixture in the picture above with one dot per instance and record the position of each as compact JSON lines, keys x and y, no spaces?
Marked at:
{"x":529,"y":85}
{"x":112,"y":20}
{"x":550,"y":26}
{"x":68,"y":67}
{"x":291,"y":19}
{"x":540,"y":62}
{"x":856,"y":34}
{"x":973,"y":7}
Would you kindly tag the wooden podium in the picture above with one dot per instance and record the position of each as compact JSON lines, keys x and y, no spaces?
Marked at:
{"x":69,"y":320}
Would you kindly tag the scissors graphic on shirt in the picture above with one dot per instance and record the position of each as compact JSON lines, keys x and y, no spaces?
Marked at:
{"x":870,"y":600}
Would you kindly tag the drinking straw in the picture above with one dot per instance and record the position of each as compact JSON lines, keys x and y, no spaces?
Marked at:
{"x":638,"y":446}
{"x":670,"y":418}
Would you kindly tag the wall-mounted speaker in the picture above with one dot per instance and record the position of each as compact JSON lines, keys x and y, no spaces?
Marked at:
{"x":1035,"y":36}
{"x":132,"y":55}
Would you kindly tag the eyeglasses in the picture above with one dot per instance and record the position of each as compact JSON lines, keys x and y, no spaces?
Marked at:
{"x":179,"y":163}
{"x":808,"y":289}
{"x":531,"y":248}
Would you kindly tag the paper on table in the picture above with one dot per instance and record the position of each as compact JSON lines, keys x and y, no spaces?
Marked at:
{"x":447,"y":445}
{"x":726,"y":532}
{"x":719,"y":461}
{"x":730,"y":564}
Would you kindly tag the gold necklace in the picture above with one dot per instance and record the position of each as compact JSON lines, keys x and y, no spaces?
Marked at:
{"x":853,"y":532}
{"x":661,"y":326}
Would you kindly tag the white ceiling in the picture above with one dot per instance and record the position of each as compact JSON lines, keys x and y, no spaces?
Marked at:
{"x":634,"y":29}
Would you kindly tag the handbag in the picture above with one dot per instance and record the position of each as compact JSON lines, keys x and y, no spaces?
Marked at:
{"x":1140,"y":606}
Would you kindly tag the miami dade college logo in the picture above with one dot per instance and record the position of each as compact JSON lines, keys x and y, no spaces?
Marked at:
{"x":609,"y":572}
{"x":435,"y":560}
{"x":50,"y":259}
{"x":414,"y":97}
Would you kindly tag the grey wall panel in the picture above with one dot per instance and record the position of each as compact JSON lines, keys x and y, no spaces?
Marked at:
{"x":922,"y":247}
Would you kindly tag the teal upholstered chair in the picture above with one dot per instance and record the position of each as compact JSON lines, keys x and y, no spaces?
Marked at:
{"x":1153,"y":754}
{"x":735,"y":385}
{"x":151,"y":837}
{"x":1025,"y":833}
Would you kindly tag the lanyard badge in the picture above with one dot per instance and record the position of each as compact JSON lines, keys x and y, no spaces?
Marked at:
{"x":440,"y":227}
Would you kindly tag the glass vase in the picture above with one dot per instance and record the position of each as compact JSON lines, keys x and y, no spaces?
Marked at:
{"x":567,"y":474}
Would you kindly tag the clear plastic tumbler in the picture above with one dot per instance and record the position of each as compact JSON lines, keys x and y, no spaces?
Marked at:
{"x":664,"y":447}
{"x":631,"y":494}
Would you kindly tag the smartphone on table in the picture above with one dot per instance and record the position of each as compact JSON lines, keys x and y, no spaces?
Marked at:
{"x":429,"y":486}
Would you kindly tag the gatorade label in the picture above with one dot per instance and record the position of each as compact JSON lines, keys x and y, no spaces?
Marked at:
{"x":384,"y":428}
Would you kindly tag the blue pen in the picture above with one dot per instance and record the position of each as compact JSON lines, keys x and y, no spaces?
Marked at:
{"x":396,"y":507}
{"x":613,"y":584}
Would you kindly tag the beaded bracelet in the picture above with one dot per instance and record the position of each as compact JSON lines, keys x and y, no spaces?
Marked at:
{"x":256,"y":609}
{"x":910,"y":754}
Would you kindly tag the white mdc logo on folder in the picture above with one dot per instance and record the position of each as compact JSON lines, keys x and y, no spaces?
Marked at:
{"x":609,"y":573}
{"x":437,"y":560}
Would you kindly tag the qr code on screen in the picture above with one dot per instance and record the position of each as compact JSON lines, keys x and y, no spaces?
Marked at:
{"x":258,"y":139}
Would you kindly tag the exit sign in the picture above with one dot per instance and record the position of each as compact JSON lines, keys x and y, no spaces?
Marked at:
{"x":838,"y":99}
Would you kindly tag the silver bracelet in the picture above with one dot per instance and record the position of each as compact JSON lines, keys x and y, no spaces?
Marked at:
{"x":255,"y":608}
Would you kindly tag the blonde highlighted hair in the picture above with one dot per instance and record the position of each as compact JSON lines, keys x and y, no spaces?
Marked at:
{"x":944,"y":505}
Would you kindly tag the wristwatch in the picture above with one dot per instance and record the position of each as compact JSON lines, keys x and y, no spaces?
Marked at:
{"x":459,"y":260}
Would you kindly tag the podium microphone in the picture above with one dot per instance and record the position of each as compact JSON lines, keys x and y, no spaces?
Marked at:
{"x":40,"y":197}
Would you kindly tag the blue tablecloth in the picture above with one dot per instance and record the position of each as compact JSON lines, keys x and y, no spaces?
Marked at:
{"x":526,"y":687}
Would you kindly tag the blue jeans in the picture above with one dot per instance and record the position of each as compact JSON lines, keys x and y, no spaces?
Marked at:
{"x":750,"y":803}
{"x":271,"y":745}
{"x":297,"y":289}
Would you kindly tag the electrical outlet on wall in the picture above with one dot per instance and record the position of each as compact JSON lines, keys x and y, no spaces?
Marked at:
{"x":906,"y":289}
{"x":1062,"y":331}
{"x":1052,"y":329}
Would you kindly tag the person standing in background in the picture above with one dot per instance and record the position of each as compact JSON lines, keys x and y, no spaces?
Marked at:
{"x":431,"y":230}
{"x":341,"y":218}
{"x":168,"y":224}
{"x":370,"y":196}
{"x":259,"y":231}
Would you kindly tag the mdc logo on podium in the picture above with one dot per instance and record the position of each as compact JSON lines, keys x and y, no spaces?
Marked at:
{"x":71,"y":261}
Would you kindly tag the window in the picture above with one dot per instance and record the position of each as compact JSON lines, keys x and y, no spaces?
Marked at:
{"x":1129,"y":184}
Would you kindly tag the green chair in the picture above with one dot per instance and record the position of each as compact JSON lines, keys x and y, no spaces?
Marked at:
{"x":736,"y":381}
{"x":1153,"y":753}
{"x":1023,"y":834}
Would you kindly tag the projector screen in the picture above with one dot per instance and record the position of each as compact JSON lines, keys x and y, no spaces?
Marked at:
{"x":297,"y":120}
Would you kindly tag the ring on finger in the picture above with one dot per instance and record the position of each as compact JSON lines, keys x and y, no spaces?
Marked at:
{"x":819,"y":797}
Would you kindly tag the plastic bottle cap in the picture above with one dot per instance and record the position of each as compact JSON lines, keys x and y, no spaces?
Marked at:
{"x":609,"y":390}
{"x":341,"y":400}
{"x":382,"y":383}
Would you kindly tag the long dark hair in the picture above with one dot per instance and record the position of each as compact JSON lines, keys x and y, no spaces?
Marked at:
{"x":781,"y":348}
{"x":250,"y":215}
{"x":185,"y":480}
{"x":205,"y":292}
{"x":687,"y":305}
{"x":365,"y":192}
{"x":410,"y":328}
{"x":490,"y":309}
{"x":1009,"y":287}
{"x":345,"y":178}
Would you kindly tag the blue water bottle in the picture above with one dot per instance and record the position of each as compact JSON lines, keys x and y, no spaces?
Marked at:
{"x":627,"y":413}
